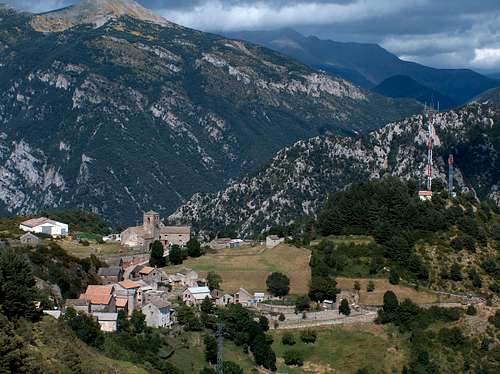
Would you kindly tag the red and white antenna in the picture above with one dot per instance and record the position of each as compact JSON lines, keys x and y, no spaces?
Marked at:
{"x":429,"y":150}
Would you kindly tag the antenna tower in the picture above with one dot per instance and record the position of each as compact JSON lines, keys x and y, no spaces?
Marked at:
{"x":220,"y":340}
{"x":430,"y":130}
{"x":450,"y":175}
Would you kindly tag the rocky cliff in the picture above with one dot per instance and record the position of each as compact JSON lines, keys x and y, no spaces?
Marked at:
{"x":297,"y":180}
{"x":115,"y":110}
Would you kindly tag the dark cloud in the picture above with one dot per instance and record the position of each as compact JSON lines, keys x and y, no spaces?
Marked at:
{"x":444,"y":33}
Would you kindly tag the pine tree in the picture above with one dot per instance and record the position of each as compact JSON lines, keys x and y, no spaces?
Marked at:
{"x":17,"y":286}
{"x":344,"y":307}
{"x":210,"y":349}
{"x":156,"y":259}
{"x":175,"y":255}
{"x":193,"y":248}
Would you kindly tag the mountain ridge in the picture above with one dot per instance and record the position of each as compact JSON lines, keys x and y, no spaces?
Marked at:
{"x":296,"y":182}
{"x":132,"y":116}
{"x":369,"y":64}
{"x":95,"y":12}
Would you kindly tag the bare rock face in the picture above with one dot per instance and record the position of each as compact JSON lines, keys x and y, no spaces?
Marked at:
{"x":141,"y":114}
{"x":93,"y":12}
{"x":299,"y":178}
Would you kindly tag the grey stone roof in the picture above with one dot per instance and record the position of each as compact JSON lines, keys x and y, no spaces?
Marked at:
{"x":109,"y":271}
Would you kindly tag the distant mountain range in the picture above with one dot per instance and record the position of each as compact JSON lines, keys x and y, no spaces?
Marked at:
{"x":107,"y":107}
{"x":368,"y":65}
{"x":403,"y":86}
{"x":299,"y":178}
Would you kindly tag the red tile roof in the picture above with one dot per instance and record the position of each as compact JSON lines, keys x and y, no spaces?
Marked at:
{"x":129,"y":284}
{"x":121,"y":302}
{"x":146,"y":270}
{"x":98,"y":295}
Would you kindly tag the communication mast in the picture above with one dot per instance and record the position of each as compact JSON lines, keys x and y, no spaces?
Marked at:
{"x":450,"y":176}
{"x":427,"y":193}
{"x":220,"y":340}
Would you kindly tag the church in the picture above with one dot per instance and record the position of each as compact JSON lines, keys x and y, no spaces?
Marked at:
{"x":153,"y":229}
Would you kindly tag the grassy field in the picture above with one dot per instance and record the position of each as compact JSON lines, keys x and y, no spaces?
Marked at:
{"x":382,"y":285}
{"x":346,"y":239}
{"x":345,"y":350}
{"x":249,"y":267}
{"x":101,"y":250}
{"x":189,"y":353}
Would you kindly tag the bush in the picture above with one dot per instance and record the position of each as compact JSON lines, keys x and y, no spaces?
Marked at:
{"x":281,"y":317}
{"x":294,"y":357}
{"x":370,"y":287}
{"x":344,"y":307}
{"x":308,"y":336}
{"x":288,"y":338}
{"x":278,"y":284}
{"x":393,"y":277}
{"x":471,"y":310}
{"x":302,"y":303}
{"x":456,"y":272}
{"x":495,"y":319}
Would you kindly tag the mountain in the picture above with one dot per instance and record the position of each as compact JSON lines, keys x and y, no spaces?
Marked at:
{"x":298,"y":179}
{"x":111,"y":109}
{"x":369,"y":64}
{"x":399,"y":86}
{"x":494,"y":76}
{"x":491,"y":96}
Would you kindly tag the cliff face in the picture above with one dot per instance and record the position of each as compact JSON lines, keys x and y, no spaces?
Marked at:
{"x":120,"y":111}
{"x":297,"y":180}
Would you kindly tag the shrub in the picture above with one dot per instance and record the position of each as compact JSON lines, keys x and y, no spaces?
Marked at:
{"x":393,"y":277}
{"x":495,"y":319}
{"x":308,"y":336}
{"x":471,"y":310}
{"x":357,"y":286}
{"x":294,"y":357}
{"x":370,"y":287}
{"x":281,"y":317}
{"x":456,"y":272}
{"x":344,"y":307}
{"x":302,"y":303}
{"x":288,"y":338}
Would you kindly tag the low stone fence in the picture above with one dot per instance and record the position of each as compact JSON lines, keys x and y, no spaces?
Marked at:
{"x":317,"y":322}
{"x":270,"y":308}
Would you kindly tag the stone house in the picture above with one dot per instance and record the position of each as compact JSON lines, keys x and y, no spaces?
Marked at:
{"x":273,"y":240}
{"x":111,"y":274}
{"x":153,"y":229}
{"x":100,"y":298}
{"x":184,"y":278}
{"x":243,"y":297}
{"x":195,"y":295}
{"x":157,"y":313}
{"x":127,"y":289}
{"x":122,"y":304}
{"x":30,"y":239}
{"x":148,"y":274}
{"x":220,"y":243}
{"x":80,"y":305}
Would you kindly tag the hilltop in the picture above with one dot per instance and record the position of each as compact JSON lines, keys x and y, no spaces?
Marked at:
{"x":368,"y":65}
{"x":127,"y":112}
{"x":298,"y":179}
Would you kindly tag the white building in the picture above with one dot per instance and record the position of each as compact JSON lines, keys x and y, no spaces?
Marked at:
{"x":45,"y":226}
{"x":195,"y":295}
{"x":108,"y":321}
{"x":273,"y":240}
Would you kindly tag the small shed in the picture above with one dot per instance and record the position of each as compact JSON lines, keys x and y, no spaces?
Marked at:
{"x":30,"y":239}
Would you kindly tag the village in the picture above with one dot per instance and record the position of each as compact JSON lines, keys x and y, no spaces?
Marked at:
{"x":130,"y":284}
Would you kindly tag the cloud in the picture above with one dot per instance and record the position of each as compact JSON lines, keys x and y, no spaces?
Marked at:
{"x":219,"y":15}
{"x":487,"y":58}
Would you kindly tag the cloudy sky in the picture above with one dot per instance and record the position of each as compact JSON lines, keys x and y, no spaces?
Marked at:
{"x":440,"y":33}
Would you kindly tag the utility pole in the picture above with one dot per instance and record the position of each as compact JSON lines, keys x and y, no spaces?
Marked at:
{"x":220,"y":340}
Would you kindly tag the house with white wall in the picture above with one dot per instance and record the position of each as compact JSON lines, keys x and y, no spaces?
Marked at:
{"x":44,"y":225}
